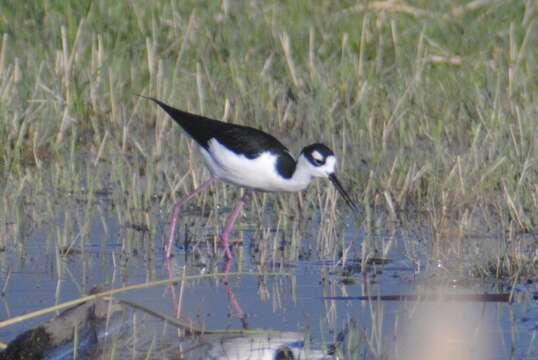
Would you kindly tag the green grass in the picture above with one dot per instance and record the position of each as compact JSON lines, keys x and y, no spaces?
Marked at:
{"x":431,"y":107}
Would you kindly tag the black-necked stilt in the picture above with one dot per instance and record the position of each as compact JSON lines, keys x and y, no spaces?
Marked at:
{"x":250,"y":158}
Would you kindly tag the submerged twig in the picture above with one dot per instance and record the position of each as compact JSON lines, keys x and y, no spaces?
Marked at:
{"x":146,"y":285}
{"x":486,"y":297}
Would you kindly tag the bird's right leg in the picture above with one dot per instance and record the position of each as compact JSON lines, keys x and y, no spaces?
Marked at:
{"x":175,"y":214}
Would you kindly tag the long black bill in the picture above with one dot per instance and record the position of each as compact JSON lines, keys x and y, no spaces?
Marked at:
{"x":344,"y":194}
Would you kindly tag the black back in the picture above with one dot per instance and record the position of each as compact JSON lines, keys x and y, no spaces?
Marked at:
{"x":240,"y":139}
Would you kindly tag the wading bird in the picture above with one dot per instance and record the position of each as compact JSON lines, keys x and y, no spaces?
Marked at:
{"x":250,"y":158}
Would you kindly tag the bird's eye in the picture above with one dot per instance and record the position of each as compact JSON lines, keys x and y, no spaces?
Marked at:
{"x":318,"y":162}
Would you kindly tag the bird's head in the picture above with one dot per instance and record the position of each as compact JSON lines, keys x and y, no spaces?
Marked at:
{"x":321,"y":162}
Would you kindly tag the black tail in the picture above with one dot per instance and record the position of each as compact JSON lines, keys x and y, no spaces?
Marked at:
{"x":198,"y":127}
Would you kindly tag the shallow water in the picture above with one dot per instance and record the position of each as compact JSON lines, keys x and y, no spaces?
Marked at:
{"x":303,"y":298}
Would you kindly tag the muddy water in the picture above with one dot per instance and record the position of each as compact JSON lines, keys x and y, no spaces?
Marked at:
{"x":310,"y":304}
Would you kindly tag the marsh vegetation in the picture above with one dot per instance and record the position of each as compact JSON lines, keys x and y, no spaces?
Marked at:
{"x":431,"y":108}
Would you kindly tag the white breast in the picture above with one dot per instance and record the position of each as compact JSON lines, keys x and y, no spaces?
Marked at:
{"x":259,"y":173}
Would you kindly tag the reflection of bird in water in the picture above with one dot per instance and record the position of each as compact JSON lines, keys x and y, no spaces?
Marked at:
{"x":270,"y":346}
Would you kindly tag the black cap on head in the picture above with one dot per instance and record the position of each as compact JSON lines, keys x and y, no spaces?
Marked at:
{"x":317,"y":154}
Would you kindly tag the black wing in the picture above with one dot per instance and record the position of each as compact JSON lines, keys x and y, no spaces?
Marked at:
{"x":240,"y":139}
{"x":252,"y":142}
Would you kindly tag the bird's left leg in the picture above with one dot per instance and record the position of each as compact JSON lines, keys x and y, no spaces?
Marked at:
{"x":229,"y":225}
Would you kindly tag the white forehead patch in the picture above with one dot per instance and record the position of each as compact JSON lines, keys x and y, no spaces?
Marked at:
{"x":316,"y":155}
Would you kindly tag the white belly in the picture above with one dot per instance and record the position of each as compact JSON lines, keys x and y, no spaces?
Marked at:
{"x":259,"y":173}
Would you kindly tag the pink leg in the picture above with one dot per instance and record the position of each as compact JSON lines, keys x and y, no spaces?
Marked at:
{"x":229,"y":225}
{"x":237,"y":310}
{"x":175,"y":214}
